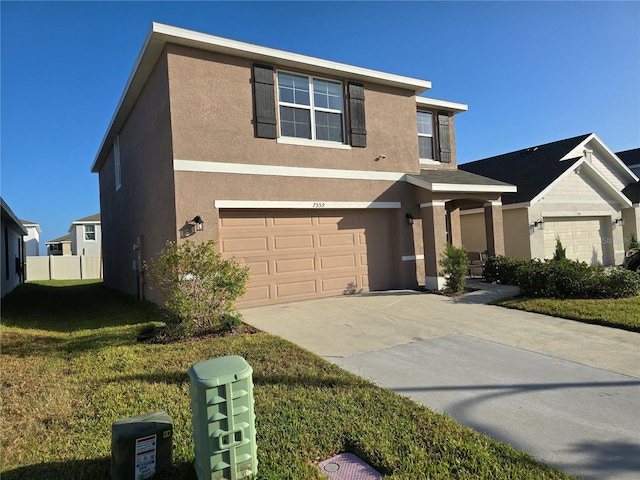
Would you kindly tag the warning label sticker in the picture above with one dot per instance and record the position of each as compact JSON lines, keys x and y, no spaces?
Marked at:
{"x":145,"y":457}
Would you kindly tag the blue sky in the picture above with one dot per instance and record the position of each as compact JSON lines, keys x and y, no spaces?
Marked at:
{"x":531,"y":73}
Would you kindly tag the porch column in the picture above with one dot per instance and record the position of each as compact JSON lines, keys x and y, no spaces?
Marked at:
{"x":494,"y":228}
{"x":434,"y":235}
{"x":454,"y":228}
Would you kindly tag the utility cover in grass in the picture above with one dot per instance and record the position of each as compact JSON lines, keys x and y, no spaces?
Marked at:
{"x":346,"y":466}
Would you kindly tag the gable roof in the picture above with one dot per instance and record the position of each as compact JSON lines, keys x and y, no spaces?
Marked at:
{"x":159,"y":35}
{"x":95,"y":218}
{"x":29,"y":224}
{"x":532,"y":169}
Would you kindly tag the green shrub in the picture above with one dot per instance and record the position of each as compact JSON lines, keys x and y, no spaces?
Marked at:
{"x":198,"y":286}
{"x":561,"y":252}
{"x":501,"y":269}
{"x":633,"y":242}
{"x":570,"y":279}
{"x":454,"y":263}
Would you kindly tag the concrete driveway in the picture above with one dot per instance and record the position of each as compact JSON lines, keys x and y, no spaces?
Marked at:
{"x":566,"y":392}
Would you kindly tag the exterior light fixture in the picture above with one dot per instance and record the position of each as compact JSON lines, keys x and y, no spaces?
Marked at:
{"x":619,"y":222}
{"x":538,"y":224}
{"x":199,"y":223}
{"x":409,"y":218}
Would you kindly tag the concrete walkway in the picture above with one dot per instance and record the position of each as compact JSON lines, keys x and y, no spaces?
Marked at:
{"x":566,"y":392}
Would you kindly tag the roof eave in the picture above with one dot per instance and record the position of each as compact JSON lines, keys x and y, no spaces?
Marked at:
{"x":446,"y":105}
{"x":159,"y":35}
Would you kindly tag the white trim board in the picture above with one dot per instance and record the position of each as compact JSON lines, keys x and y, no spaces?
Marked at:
{"x":303,"y":205}
{"x":280,"y":171}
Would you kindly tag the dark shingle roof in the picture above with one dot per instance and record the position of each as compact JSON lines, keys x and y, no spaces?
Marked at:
{"x":531,"y":169}
{"x":63,"y":239}
{"x":632,"y":192}
{"x":458,"y":177}
{"x":630,"y":157}
{"x":91,"y":218}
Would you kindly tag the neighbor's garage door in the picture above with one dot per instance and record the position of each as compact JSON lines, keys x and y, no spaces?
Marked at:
{"x":296,"y":255}
{"x":582,"y":237}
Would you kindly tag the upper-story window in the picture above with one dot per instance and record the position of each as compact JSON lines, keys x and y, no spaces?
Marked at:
{"x":425,"y":135}
{"x":310,"y":108}
{"x":89,"y":232}
{"x":434,"y":142}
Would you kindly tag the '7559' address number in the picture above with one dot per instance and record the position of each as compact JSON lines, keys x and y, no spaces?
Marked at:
{"x":318,"y":204}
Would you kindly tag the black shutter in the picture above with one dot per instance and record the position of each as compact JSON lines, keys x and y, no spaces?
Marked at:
{"x":444,"y":139}
{"x":356,"y":115}
{"x":264,"y":101}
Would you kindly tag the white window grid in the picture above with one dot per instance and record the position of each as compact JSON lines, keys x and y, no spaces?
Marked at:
{"x":90,"y":233}
{"x":312,"y":107}
{"x":426,"y":134}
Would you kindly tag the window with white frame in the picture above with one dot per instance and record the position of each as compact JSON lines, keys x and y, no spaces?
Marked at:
{"x":90,"y":232}
{"x":116,"y":162}
{"x":425,"y":135}
{"x":310,"y":108}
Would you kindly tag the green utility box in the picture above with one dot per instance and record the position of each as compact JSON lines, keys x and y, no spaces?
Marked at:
{"x":141,"y":446}
{"x":223,"y":419}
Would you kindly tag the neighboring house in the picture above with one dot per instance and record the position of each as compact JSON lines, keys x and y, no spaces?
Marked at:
{"x":84,"y":238}
{"x":32,"y":240}
{"x":631,"y":159}
{"x":12,"y":253}
{"x":59,"y":246}
{"x":571,"y":189}
{"x":324,"y":178}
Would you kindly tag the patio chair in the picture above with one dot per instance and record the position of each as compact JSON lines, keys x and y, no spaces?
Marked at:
{"x":475,"y":267}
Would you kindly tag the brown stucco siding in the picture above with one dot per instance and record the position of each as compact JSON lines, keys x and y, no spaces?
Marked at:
{"x":212,"y":118}
{"x":197,"y":192}
{"x":145,"y":203}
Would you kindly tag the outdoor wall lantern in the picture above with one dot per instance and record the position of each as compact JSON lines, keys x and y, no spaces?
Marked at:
{"x":409,"y":218}
{"x":619,"y":222}
{"x":538,"y":224}
{"x":199,"y":223}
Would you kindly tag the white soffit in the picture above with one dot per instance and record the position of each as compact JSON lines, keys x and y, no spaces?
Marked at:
{"x":593,"y":173}
{"x":302,"y":205}
{"x":441,"y":104}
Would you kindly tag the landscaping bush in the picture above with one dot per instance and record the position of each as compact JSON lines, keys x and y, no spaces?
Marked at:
{"x":562,"y":278}
{"x":501,"y":269}
{"x":570,"y":279}
{"x":198,"y":286}
{"x":454,"y":263}
{"x":560,"y":252}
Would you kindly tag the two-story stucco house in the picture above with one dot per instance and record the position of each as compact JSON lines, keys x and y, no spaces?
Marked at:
{"x":32,"y":240}
{"x":324,"y":178}
{"x":84,"y":238}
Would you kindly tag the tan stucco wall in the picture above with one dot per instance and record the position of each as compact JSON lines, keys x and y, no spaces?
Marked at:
{"x":474,"y":237}
{"x":212,"y":115}
{"x":144,"y":205}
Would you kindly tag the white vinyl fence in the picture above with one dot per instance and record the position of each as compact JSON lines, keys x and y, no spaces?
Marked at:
{"x":63,"y":267}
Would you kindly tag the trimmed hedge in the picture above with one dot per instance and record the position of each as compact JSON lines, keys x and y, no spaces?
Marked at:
{"x":562,"y":279}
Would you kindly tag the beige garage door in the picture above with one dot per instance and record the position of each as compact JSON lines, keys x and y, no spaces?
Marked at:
{"x":297,"y":255}
{"x":582,"y":237}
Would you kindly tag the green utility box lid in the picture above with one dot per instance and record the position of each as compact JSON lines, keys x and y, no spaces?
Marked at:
{"x":219,"y":371}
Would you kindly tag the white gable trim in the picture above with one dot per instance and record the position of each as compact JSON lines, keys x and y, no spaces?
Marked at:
{"x":618,"y":164}
{"x":587,"y":167}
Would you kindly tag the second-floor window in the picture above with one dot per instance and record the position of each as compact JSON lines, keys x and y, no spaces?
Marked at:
{"x":89,"y":232}
{"x":310,"y":108}
{"x":425,"y":135}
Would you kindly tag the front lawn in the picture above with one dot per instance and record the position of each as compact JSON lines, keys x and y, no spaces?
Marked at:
{"x":71,"y":366}
{"x":621,"y":313}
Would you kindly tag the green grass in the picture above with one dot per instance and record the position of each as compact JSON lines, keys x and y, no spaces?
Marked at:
{"x":621,"y":313}
{"x":71,"y":366}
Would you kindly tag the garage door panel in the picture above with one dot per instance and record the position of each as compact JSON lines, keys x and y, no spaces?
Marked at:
{"x":292,"y":242}
{"x":295,"y":265}
{"x":296,"y":255}
{"x":337,"y":261}
{"x":336,"y":239}
{"x":338,"y":285}
{"x":285,"y":291}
